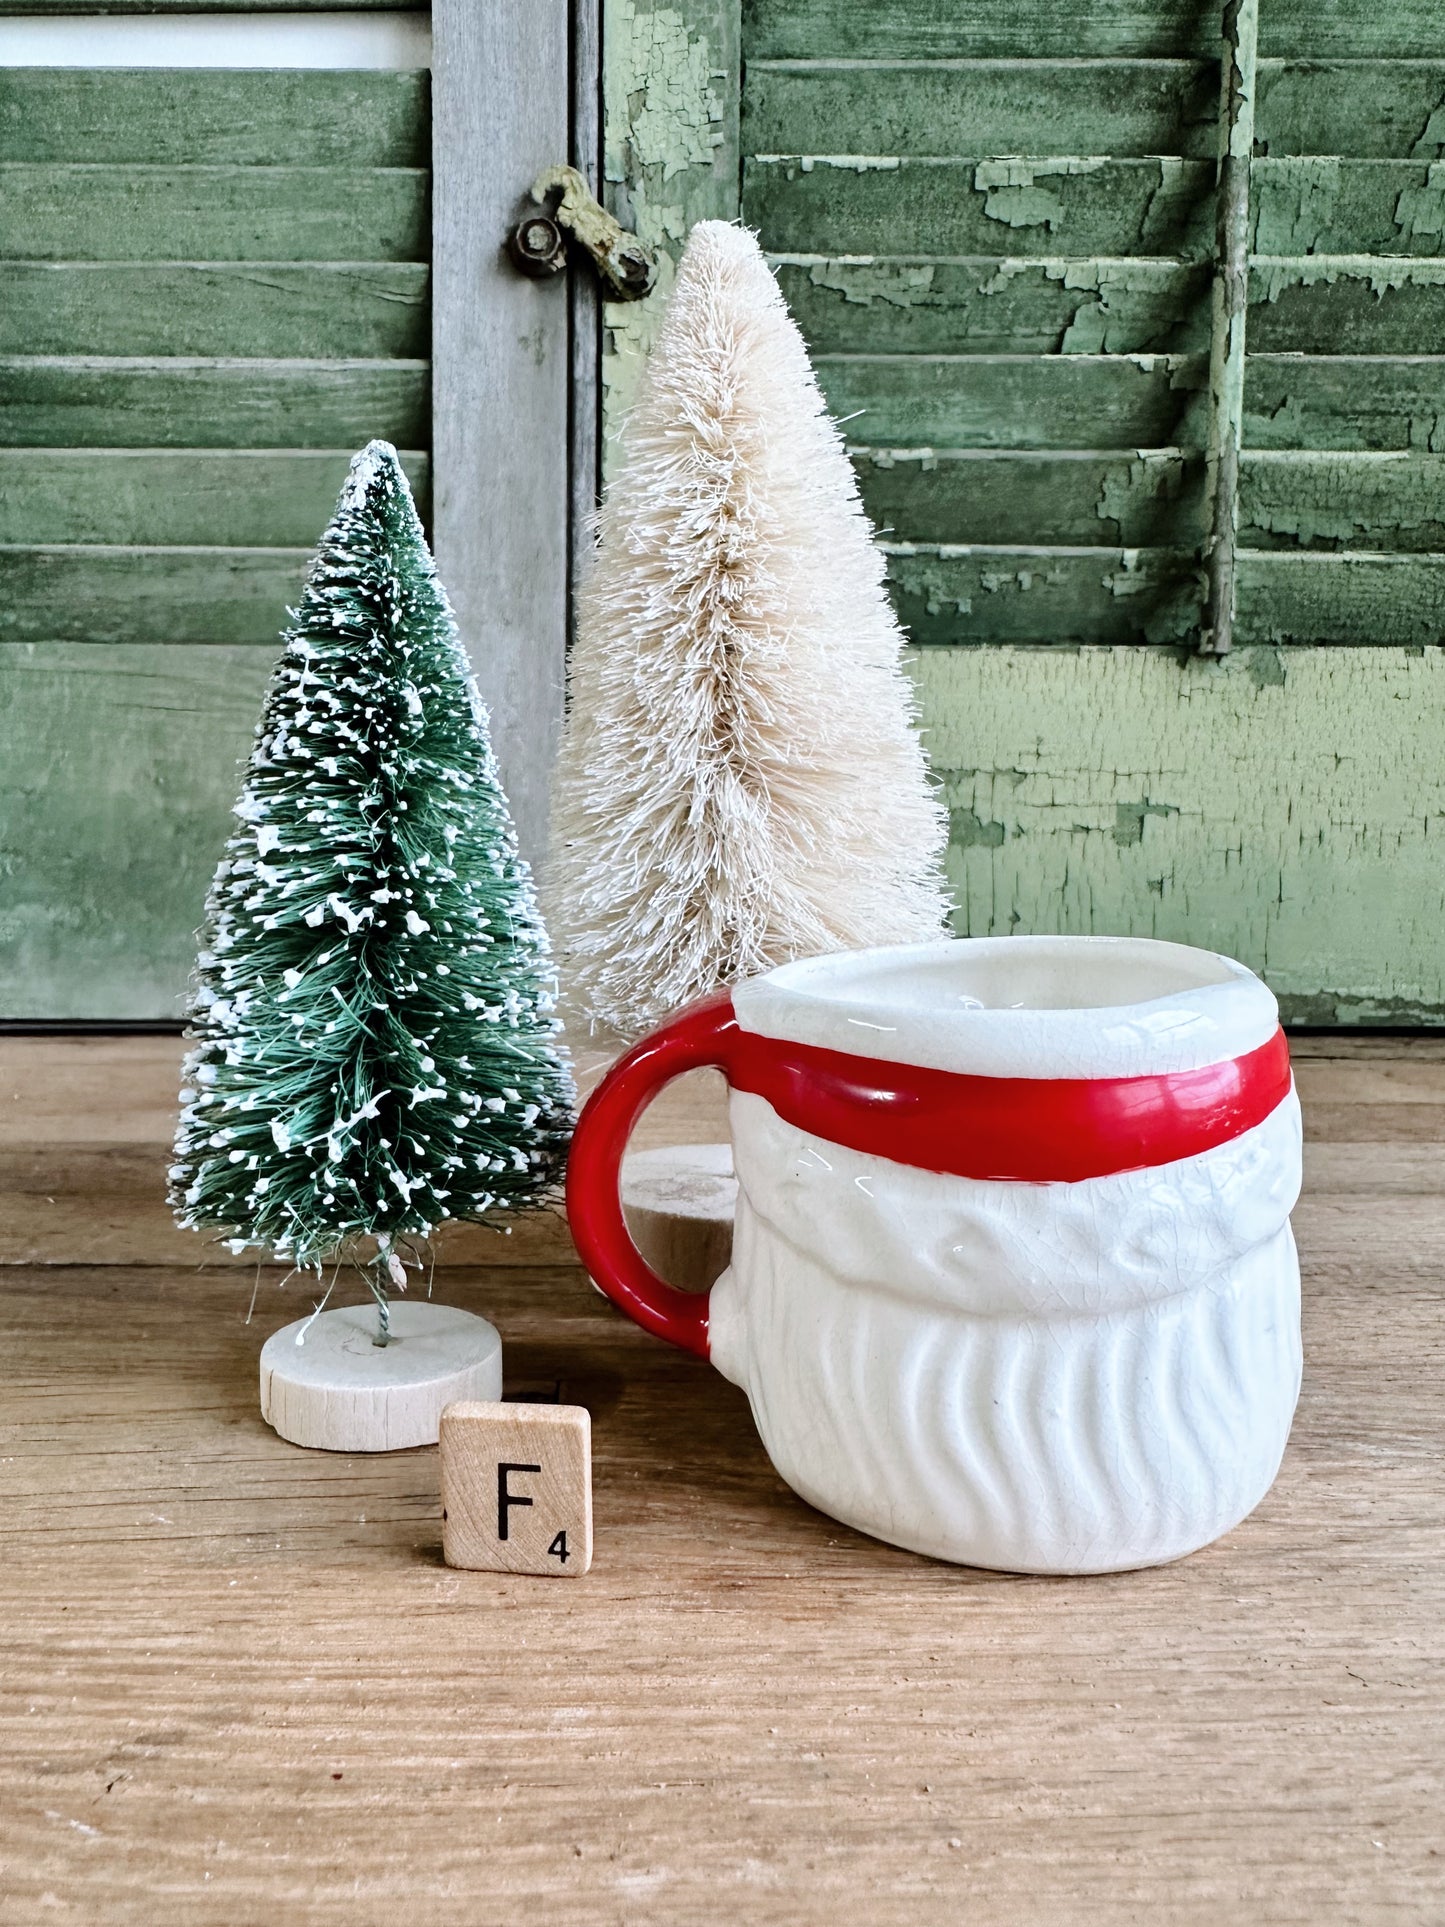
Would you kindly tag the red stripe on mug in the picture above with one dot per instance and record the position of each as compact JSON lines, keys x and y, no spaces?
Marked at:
{"x":1030,"y":1130}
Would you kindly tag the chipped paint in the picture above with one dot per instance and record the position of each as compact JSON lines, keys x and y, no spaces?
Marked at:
{"x":1421,"y":208}
{"x":1154,"y":475}
{"x":1295,"y":203}
{"x":1270,"y":278}
{"x":967,"y":830}
{"x":1129,"y":819}
{"x":1012,"y":195}
{"x":669,"y":79}
{"x":1339,"y":898}
{"x":1383,"y":500}
{"x":795,"y":164}
{"x":1431,"y":135}
{"x":1088,"y":331}
{"x":863,"y":281}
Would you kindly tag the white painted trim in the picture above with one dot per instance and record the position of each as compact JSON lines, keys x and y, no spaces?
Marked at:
{"x":365,"y":40}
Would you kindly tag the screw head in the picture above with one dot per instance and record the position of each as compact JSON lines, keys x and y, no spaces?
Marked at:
{"x":536,"y":246}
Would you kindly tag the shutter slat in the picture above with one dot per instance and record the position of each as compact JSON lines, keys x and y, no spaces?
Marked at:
{"x":1055,"y":597}
{"x":1088,"y":205}
{"x":1131,"y":401}
{"x":1024,"y":29}
{"x":990,"y":305}
{"x":256,"y":498}
{"x":134,"y":594}
{"x":187,"y":116}
{"x":65,"y":212}
{"x":346,"y":309}
{"x":1363,"y":109}
{"x":169,"y":401}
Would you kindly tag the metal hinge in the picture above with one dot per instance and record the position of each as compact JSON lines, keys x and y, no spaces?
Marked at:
{"x":538,"y":242}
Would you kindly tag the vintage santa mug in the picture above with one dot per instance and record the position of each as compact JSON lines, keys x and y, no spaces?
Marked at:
{"x":1013,"y":1281}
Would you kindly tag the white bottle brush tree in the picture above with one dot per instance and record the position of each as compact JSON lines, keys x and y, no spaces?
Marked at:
{"x":740,"y":780}
{"x":373,"y":1012}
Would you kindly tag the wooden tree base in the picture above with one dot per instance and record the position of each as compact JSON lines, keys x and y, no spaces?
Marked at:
{"x":341,"y":1392}
{"x":679,"y":1202}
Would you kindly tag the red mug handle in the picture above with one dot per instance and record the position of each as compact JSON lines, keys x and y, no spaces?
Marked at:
{"x":699,"y":1037}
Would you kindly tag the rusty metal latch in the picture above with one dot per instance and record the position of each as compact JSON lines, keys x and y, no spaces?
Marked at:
{"x":538,"y":242}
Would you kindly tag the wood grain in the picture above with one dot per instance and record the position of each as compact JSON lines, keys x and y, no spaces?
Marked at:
{"x":238,"y":1683}
{"x":501,"y":363}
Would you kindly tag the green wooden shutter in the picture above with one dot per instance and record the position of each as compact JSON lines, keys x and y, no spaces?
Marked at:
{"x":215,"y":287}
{"x":994,"y":224}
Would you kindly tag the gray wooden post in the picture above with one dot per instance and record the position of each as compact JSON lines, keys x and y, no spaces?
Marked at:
{"x":501,"y":82}
{"x":1230,"y":304}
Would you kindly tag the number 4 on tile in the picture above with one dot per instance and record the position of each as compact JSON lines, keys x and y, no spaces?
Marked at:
{"x":517,"y":1488}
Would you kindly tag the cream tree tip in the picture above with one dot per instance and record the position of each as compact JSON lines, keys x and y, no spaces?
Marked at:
{"x":740,"y":780}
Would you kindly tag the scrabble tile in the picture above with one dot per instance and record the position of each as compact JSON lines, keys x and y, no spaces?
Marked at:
{"x":517,"y":1488}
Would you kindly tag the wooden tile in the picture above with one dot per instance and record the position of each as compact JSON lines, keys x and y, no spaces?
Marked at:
{"x":517,"y":1488}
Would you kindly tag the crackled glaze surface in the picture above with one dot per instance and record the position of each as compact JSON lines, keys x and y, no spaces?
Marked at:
{"x":1037,"y":1377}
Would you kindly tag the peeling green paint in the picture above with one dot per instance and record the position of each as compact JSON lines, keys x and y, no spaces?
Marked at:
{"x":1155,"y":475}
{"x":1295,"y":203}
{"x":1431,"y":135}
{"x":669,"y":81}
{"x":1338,"y":897}
{"x":1129,"y":820}
{"x":1266,"y":668}
{"x":967,"y":829}
{"x":862,"y":282}
{"x":1011,"y":193}
{"x":1421,"y":209}
{"x":1270,"y":278}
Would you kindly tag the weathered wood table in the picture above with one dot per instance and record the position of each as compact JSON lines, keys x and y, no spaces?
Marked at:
{"x":238,"y":1685}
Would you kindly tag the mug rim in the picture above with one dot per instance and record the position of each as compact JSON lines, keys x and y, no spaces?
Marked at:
{"x":1226,"y":1012}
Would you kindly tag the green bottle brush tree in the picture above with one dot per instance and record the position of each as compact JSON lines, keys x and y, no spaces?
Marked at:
{"x":375,"y":1048}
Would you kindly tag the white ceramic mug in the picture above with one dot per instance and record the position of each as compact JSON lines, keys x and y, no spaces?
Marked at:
{"x":1013,"y":1281}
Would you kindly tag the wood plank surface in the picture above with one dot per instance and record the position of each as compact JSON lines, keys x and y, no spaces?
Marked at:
{"x":254,"y":117}
{"x":252,"y":498}
{"x":64,"y":593}
{"x":992,"y":304}
{"x":237,"y":1683}
{"x":1066,"y":597}
{"x":70,"y":211}
{"x":838,"y":203}
{"x":170,"y":401}
{"x":1283,"y":806}
{"x":86,"y":1126}
{"x":364,"y":310}
{"x":1379,"y":110}
{"x":1028,"y":29}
